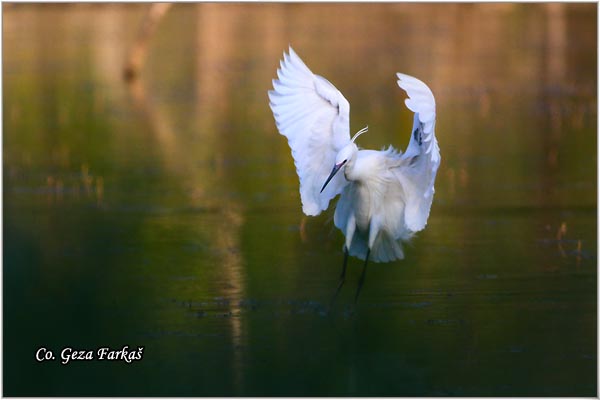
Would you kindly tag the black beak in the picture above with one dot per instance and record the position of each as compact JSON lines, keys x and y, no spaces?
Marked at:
{"x":334,"y":171}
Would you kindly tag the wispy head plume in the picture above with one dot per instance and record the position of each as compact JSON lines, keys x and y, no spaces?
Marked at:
{"x":357,"y":134}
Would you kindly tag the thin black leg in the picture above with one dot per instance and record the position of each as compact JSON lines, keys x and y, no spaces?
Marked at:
{"x":342,"y":278}
{"x":343,"y":275}
{"x":362,"y":277}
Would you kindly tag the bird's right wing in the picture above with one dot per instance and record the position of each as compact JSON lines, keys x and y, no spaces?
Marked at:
{"x":422,"y":156}
{"x":315,"y":118}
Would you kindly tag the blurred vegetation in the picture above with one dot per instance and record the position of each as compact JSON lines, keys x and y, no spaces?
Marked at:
{"x":165,"y":212}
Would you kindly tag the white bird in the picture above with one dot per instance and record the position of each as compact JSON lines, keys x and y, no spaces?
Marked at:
{"x":385,"y":196}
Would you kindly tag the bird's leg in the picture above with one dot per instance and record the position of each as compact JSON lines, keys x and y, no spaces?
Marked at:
{"x":362,"y":277}
{"x":342,"y":277}
{"x":374,"y":230}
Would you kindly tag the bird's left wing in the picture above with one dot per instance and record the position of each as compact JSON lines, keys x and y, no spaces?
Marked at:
{"x":314,"y":116}
{"x":422,"y":156}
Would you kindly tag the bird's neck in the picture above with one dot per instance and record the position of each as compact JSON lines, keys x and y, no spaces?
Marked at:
{"x":349,"y":169}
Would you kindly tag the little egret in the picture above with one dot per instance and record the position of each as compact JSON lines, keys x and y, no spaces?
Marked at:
{"x":385,"y":196}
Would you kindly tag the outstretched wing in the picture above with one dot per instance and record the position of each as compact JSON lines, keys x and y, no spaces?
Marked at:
{"x":422,"y":156}
{"x":314,"y":116}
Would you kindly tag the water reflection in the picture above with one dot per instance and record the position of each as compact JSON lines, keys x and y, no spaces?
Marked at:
{"x":165,"y":211}
{"x":137,"y":53}
{"x":225,"y":239}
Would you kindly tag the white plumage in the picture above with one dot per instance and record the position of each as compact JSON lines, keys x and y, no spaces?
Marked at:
{"x":315,"y":118}
{"x":385,"y":196}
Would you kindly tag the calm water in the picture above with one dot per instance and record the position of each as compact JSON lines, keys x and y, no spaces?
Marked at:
{"x":166,"y":214}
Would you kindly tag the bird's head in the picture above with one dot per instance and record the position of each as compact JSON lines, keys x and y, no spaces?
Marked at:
{"x":346,"y":155}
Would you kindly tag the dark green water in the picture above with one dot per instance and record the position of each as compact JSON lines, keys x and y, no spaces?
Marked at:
{"x":166,"y":213}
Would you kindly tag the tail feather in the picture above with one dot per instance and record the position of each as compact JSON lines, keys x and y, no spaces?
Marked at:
{"x":385,"y":248}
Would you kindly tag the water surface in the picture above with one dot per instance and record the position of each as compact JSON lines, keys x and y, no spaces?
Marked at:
{"x":165,"y":213}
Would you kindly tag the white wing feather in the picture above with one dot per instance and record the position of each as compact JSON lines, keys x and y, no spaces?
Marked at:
{"x":422,"y":155}
{"x":315,"y":118}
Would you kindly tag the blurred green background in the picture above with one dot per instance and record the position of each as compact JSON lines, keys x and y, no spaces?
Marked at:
{"x":165,"y":212}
